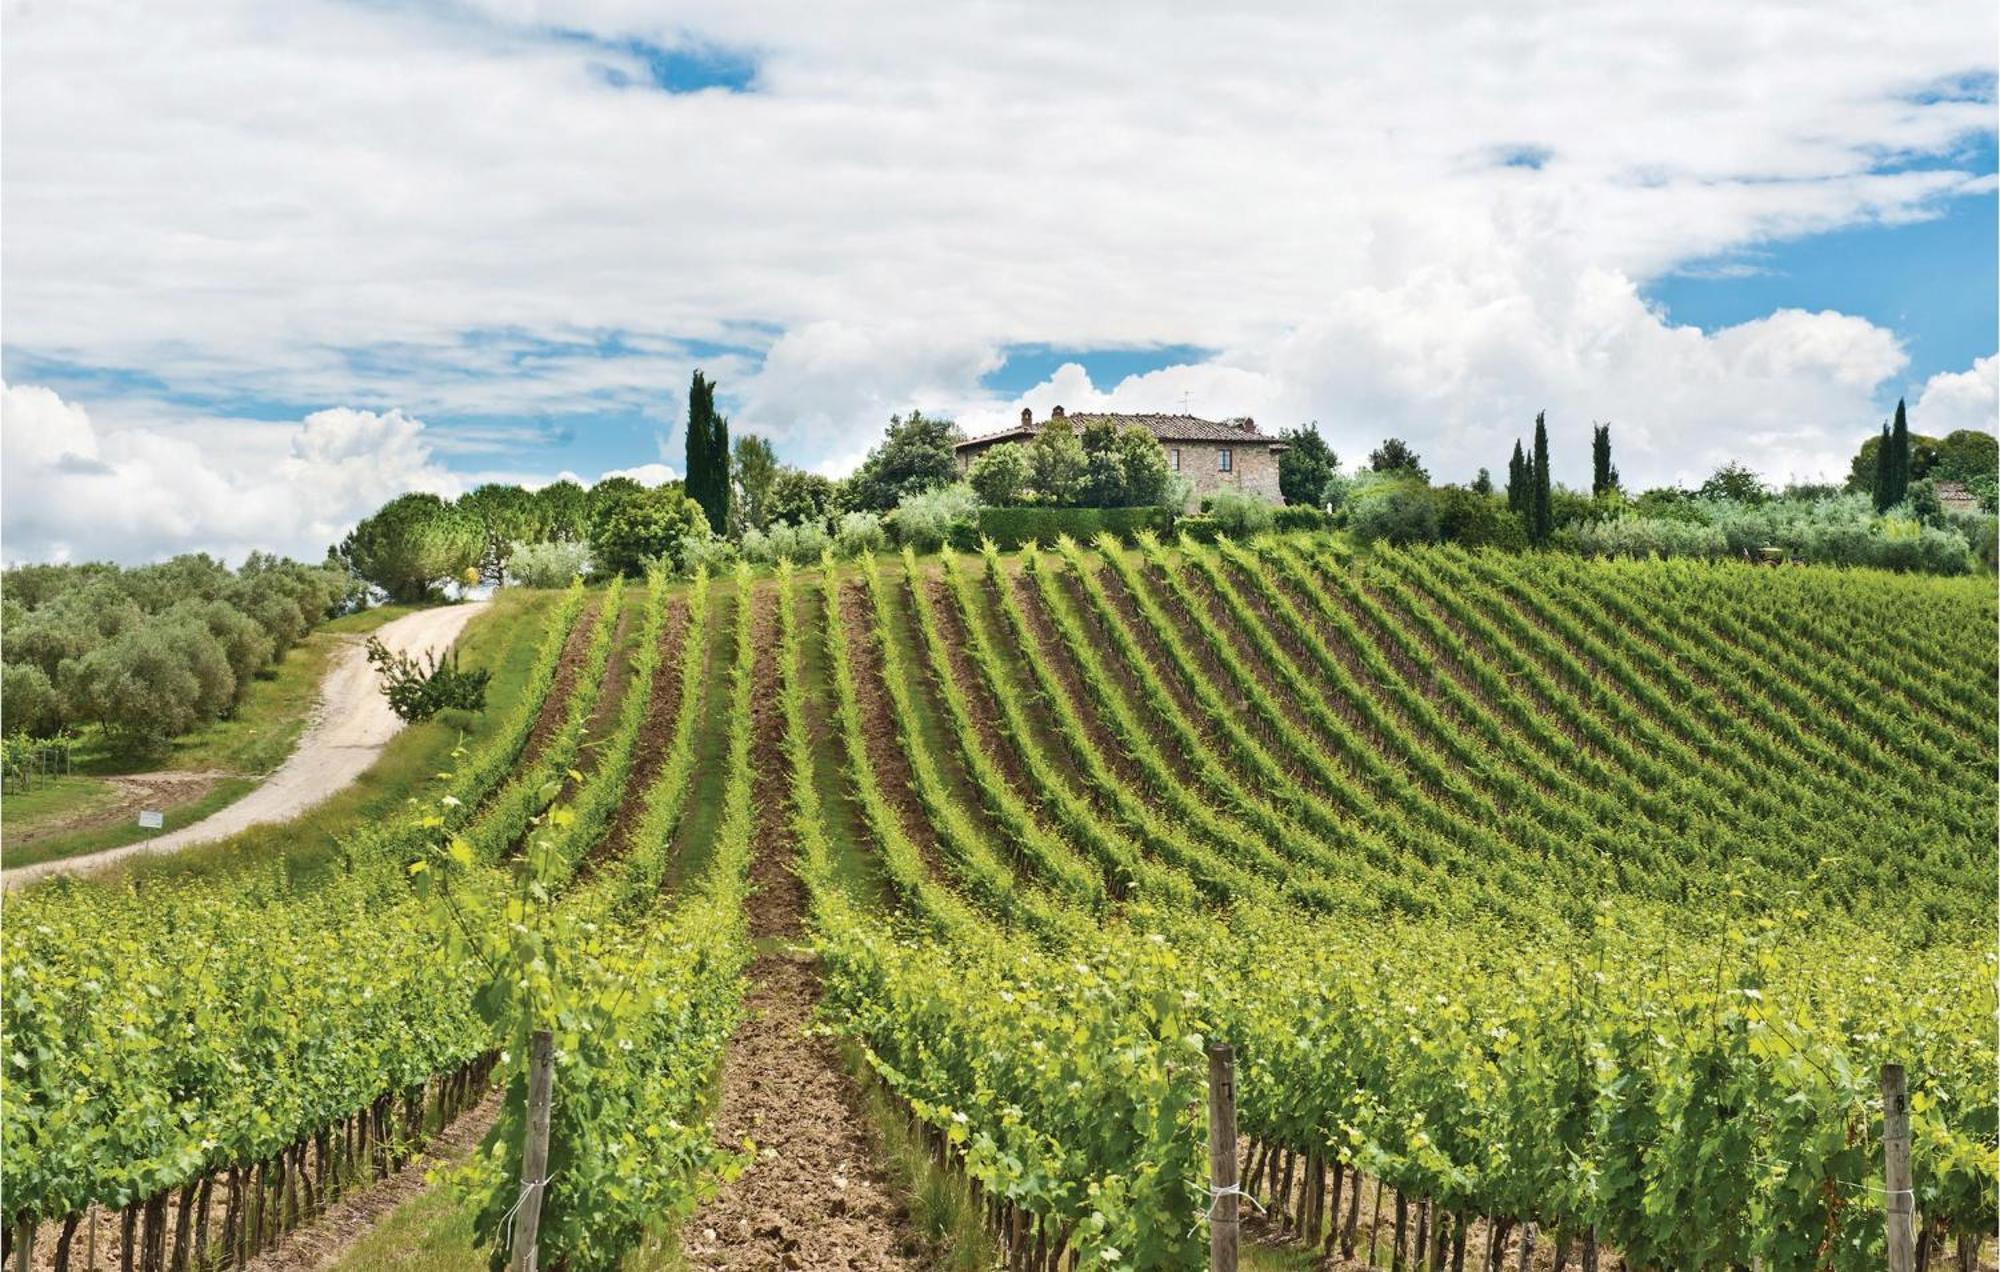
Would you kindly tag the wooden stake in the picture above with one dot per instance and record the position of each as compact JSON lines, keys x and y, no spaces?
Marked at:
{"x":1897,"y":1199}
{"x":1222,"y":1221}
{"x":1375,"y":1223}
{"x":535,"y":1152}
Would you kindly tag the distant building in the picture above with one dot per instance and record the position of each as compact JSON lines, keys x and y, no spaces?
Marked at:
{"x":1212,"y":454}
{"x":1954,"y":497}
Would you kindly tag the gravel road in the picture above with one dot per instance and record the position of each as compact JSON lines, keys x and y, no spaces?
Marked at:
{"x":349,"y":729}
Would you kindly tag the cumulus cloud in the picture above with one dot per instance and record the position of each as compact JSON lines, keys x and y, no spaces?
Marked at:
{"x":645,"y":474}
{"x":71,"y":490}
{"x":1952,"y":400}
{"x":1422,"y":220}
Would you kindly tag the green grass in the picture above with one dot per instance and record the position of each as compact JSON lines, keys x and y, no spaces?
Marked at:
{"x":694,"y":840}
{"x":941,"y":1206}
{"x":252,"y":742}
{"x":432,"y":1232}
{"x":504,"y":638}
{"x":856,"y":870}
{"x":118,"y":834}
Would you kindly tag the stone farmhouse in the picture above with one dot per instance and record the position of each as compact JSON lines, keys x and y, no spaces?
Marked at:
{"x":1213,"y":454}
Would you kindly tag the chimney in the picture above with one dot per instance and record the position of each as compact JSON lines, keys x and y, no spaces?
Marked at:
{"x":1056,"y":414}
{"x":1247,"y":424}
{"x":1027,"y":417}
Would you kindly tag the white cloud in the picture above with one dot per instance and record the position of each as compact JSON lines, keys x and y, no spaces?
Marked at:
{"x":645,"y":474}
{"x":75,"y":491}
{"x":1312,"y":189}
{"x":1952,"y":400}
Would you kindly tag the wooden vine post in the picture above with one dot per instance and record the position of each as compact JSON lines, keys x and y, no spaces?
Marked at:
{"x":1222,"y":1220}
{"x":1898,"y":1199}
{"x":535,"y":1151}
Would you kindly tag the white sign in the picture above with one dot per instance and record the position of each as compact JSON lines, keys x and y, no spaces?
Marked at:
{"x":152,"y":818}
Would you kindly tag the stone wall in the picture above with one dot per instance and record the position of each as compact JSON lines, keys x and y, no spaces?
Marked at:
{"x":1253,"y":467}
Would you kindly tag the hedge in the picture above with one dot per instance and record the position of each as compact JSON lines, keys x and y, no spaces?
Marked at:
{"x":1013,"y":527}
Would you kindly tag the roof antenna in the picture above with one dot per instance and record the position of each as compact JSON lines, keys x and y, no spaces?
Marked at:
{"x":1184,"y":402}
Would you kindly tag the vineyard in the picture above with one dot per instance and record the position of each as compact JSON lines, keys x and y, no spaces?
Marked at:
{"x":1556,"y":911}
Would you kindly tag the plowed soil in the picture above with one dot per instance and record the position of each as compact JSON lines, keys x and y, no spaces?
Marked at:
{"x":815,"y":1195}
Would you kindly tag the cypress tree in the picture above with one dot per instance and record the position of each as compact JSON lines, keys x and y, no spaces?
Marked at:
{"x":721,"y":490}
{"x":707,"y":454}
{"x":1542,"y":518}
{"x":1884,"y":464}
{"x":1603,"y":477}
{"x":1517,"y":481}
{"x":1899,"y":464}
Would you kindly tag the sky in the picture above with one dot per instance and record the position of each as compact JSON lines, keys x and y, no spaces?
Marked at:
{"x":267,"y":266}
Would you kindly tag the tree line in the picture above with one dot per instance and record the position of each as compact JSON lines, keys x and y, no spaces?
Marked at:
{"x":1889,"y":513}
{"x":148,"y":653}
{"x":738,"y":499}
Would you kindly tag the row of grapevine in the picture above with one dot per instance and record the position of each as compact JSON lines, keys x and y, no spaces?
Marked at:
{"x":168,"y":1035}
{"x":1576,"y":1048}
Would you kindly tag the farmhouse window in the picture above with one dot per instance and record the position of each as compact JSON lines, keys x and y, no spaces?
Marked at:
{"x":1174,"y":457}
{"x":1223,"y":460}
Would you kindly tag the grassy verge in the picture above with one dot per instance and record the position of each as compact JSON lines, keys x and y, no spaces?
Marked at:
{"x":941,"y":1205}
{"x":118,"y":834}
{"x":432,"y":1232}
{"x":504,"y":638}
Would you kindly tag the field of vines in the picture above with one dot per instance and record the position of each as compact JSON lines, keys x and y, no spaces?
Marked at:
{"x":1557,"y":911}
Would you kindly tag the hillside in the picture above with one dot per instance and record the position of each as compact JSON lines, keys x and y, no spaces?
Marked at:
{"x":1540,"y":895}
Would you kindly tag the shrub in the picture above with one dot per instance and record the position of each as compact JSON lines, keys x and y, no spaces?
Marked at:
{"x":714,"y":552}
{"x":797,"y":497}
{"x":1336,"y":495}
{"x":643,"y":525}
{"x":547,"y":564}
{"x":783,"y":541}
{"x":1644,"y":537}
{"x":858,"y":534}
{"x":1476,"y":520}
{"x":1000,"y":475}
{"x":929,"y":519}
{"x":1300,"y":517}
{"x":1055,"y":464}
{"x":1397,"y":512}
{"x":1200,"y":528}
{"x":1240,"y":514}
{"x":27,"y":699}
{"x":1013,"y":527}
{"x":419,"y":690}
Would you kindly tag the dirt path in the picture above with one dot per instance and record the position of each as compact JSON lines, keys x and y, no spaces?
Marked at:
{"x":816,"y":1196}
{"x":350,"y":726}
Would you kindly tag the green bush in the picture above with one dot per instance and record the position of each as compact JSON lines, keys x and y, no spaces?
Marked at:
{"x":419,"y":690}
{"x":27,"y":699}
{"x":1300,"y":517}
{"x":859,"y":534}
{"x":1200,"y":528}
{"x":927,"y":520}
{"x":1394,"y":511}
{"x":782,"y":541}
{"x":1014,"y":527}
{"x":1476,"y":520}
{"x":547,"y":564}
{"x":647,"y":524}
{"x":1241,"y":515}
{"x":714,"y":553}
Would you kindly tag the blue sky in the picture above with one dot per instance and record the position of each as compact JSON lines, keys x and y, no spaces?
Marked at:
{"x":295,"y":266}
{"x":1931,"y":281}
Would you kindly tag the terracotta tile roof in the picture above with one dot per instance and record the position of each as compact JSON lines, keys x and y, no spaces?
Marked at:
{"x":1167,"y":428}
